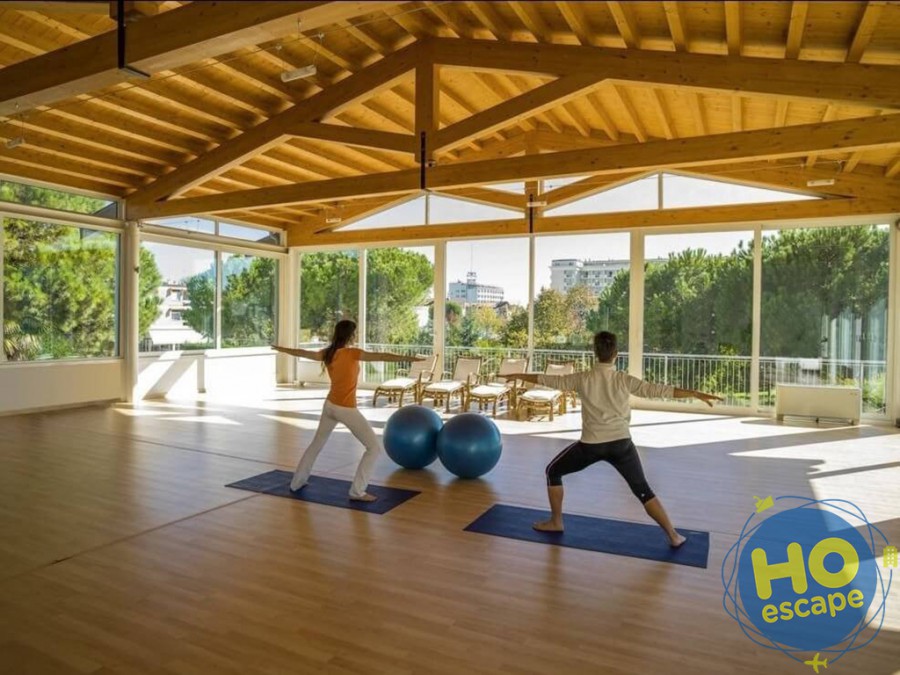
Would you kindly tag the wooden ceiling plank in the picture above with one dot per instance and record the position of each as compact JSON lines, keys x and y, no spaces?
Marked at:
{"x":677,"y":27}
{"x":862,"y":36}
{"x":163,"y":43}
{"x":634,"y":119}
{"x":733,"y":27}
{"x":524,"y":105}
{"x":796,"y":28}
{"x":625,"y":22}
{"x":329,"y":101}
{"x":576,"y":21}
{"x":663,"y":114}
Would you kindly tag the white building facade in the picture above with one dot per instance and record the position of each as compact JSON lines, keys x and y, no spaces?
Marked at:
{"x":471,"y":292}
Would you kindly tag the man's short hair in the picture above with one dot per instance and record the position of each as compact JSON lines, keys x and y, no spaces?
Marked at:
{"x":605,"y":346}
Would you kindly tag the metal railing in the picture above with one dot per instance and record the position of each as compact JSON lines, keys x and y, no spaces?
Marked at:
{"x":728,"y":376}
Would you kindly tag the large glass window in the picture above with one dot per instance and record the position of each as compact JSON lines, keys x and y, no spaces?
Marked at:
{"x":249,"y":300}
{"x":329,"y":292}
{"x":59,"y":291}
{"x":698,"y":308}
{"x":399,"y":305}
{"x":178,"y":294}
{"x":33,"y":195}
{"x":581,"y":287}
{"x":824,"y":310}
{"x":487,"y":301}
{"x":641,"y":194}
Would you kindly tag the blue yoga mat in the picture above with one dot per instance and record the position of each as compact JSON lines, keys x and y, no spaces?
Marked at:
{"x":595,"y":534}
{"x":320,"y":490}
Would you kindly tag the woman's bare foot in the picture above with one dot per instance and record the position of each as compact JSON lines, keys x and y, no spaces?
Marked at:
{"x":363,"y":498}
{"x":677,"y":540}
{"x":548,"y":526}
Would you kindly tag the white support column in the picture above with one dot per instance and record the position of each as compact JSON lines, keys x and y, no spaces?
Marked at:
{"x":892,"y":377}
{"x":288,"y":304}
{"x":218,"y":303}
{"x":440,"y":301}
{"x":636,"y":306}
{"x":361,"y":315}
{"x":531,"y":260}
{"x":756,"y":317}
{"x":129,"y":308}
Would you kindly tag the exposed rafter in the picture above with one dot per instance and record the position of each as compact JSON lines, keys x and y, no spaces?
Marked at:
{"x":833,"y":82}
{"x":846,"y":135}
{"x":377,"y":77}
{"x":161,"y":43}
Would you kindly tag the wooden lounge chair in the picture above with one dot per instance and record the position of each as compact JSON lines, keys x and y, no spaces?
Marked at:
{"x":465,"y":375}
{"x":494,"y":391}
{"x":410,"y":381}
{"x":542,"y":399}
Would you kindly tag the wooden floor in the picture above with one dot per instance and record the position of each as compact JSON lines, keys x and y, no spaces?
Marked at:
{"x":122,"y":552}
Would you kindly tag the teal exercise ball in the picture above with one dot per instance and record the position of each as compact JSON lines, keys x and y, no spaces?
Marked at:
{"x":410,"y":436}
{"x":469,"y":445}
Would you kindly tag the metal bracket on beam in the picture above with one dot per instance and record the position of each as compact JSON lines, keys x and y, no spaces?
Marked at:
{"x":120,"y":39}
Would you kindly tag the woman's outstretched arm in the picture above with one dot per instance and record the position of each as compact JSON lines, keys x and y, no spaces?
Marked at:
{"x":387,"y":356}
{"x":304,"y":353}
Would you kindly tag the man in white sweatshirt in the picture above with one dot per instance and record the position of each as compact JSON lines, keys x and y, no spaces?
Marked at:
{"x":605,"y":435}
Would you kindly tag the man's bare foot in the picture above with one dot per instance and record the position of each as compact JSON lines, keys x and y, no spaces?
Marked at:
{"x":677,"y":540}
{"x":363,"y":498}
{"x":548,"y":526}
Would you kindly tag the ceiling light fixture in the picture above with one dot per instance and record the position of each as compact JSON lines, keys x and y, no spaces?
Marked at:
{"x":820,"y":182}
{"x":534,"y":205}
{"x":305,"y":71}
{"x":298,"y":73}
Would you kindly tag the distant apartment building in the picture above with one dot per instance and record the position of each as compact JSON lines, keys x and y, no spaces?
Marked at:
{"x":169,"y":331}
{"x":471,"y":292}
{"x":566,"y":273}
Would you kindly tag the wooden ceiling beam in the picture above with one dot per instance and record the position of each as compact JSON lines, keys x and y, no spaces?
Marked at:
{"x":162,"y":43}
{"x":363,"y":84}
{"x":663,"y":114}
{"x":733,"y":27}
{"x":718,"y":215}
{"x":871,"y":85}
{"x":365,"y":138}
{"x":892,"y":169}
{"x":842,"y":136}
{"x":864,"y":30}
{"x":796,"y":28}
{"x":509,"y":112}
{"x":480,"y":195}
{"x":634,"y":119}
{"x":626,"y":23}
{"x":677,"y":28}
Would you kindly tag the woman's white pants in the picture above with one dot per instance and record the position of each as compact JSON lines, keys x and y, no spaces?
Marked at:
{"x":358,"y":425}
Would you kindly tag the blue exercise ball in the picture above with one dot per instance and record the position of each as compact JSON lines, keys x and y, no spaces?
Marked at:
{"x":469,"y":445}
{"x":410,"y":436}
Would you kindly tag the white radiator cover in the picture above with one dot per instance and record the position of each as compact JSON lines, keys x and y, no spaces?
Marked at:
{"x":311,"y":372}
{"x":825,"y":401}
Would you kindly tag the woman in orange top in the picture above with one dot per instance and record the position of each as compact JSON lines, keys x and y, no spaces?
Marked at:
{"x":342,"y":362}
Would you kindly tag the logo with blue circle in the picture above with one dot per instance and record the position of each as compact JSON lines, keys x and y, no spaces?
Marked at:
{"x":803,"y":578}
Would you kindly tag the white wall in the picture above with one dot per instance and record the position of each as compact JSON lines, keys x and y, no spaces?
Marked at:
{"x":37,"y":385}
{"x":230,"y":371}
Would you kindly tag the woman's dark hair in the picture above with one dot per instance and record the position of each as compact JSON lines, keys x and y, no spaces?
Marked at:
{"x":605,"y":346}
{"x":344,"y":331}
